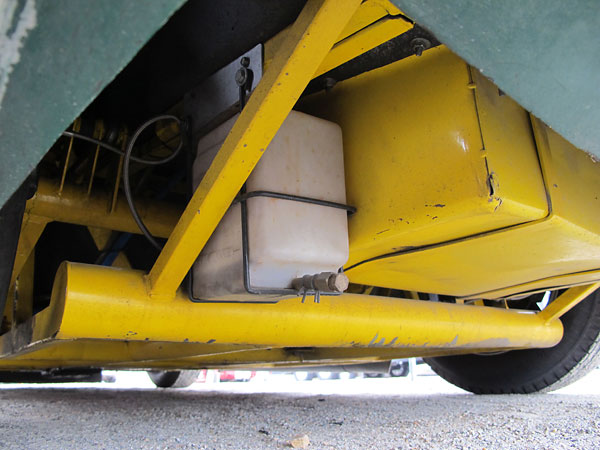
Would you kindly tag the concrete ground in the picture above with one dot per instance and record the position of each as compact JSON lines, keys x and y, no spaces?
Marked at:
{"x":271,"y":410}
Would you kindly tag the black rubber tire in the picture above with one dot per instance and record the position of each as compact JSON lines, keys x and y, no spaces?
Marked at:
{"x":173,"y":379}
{"x":399,"y":368}
{"x":536,"y":370}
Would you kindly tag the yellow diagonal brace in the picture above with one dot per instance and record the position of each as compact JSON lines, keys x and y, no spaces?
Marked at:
{"x":567,"y":300}
{"x":310,"y":38}
{"x":363,"y":41}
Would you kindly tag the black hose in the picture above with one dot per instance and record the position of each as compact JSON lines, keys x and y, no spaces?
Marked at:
{"x":128,"y":158}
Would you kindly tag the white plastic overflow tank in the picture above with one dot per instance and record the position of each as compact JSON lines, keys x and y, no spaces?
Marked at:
{"x":286,"y":238}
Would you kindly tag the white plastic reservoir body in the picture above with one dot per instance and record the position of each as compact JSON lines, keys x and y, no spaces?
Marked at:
{"x":287,"y":239}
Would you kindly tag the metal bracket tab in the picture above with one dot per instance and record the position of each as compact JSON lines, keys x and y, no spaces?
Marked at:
{"x":216,"y":99}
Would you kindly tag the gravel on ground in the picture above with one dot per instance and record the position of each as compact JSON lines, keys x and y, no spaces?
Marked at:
{"x":424,"y":413}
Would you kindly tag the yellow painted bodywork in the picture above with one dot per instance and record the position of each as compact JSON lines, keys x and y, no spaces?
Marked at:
{"x":455,"y":193}
{"x":472,"y":196}
{"x":542,"y":285}
{"x":563,"y":246}
{"x":416,"y":168}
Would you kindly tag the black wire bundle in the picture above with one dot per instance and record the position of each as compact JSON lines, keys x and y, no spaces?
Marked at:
{"x":128,"y":157}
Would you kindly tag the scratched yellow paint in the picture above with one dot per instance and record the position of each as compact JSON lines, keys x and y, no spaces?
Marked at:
{"x":432,"y":153}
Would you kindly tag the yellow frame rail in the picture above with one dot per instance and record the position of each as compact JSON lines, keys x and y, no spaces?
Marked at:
{"x":566,"y":301}
{"x":74,"y":205}
{"x":308,"y":42}
{"x":105,"y":303}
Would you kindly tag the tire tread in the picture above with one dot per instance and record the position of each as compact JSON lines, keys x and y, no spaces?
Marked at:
{"x":577,"y":361}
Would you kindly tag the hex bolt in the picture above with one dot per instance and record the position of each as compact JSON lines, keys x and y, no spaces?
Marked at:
{"x":419,"y":45}
{"x":241,"y":76}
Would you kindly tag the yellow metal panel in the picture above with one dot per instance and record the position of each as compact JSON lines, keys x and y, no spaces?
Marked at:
{"x":509,"y":151}
{"x":573,"y":178}
{"x":106,"y":352}
{"x":473,"y":266}
{"x":31,"y":230}
{"x":543,"y":285}
{"x":419,"y":167}
{"x":455,"y":193}
{"x":307,"y":43}
{"x":539,"y":253}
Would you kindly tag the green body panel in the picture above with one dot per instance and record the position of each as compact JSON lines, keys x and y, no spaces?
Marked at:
{"x":543,"y":53}
{"x":56,"y":56}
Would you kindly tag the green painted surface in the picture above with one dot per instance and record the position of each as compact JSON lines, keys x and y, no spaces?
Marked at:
{"x":56,"y":56}
{"x":543,"y":53}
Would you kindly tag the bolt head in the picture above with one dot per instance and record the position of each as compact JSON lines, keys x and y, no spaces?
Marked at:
{"x":241,"y":76}
{"x":419,"y":45}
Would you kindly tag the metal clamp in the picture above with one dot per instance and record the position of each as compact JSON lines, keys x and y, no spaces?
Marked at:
{"x":317,"y":285}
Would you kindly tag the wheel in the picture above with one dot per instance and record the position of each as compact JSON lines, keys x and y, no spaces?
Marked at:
{"x":399,"y":368}
{"x":327,"y":375}
{"x":345,"y":375}
{"x":373,"y":375}
{"x":535,"y":370}
{"x":173,"y":379}
{"x":304,"y":376}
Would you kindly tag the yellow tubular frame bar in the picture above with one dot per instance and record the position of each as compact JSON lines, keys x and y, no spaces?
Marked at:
{"x":74,"y":205}
{"x":99,"y":303}
{"x":308,"y":42}
{"x":566,"y":301}
{"x":362,"y":41}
